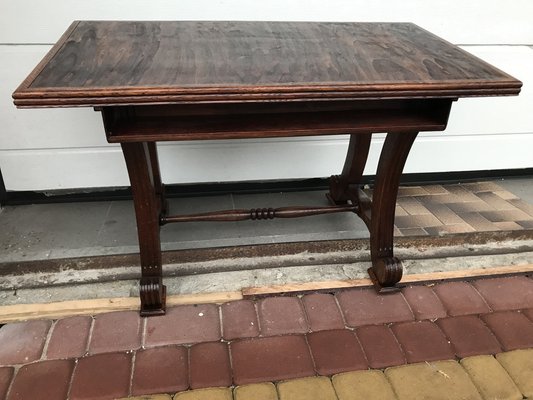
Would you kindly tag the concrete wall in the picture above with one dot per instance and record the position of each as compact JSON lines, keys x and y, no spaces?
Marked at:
{"x":66,"y":148}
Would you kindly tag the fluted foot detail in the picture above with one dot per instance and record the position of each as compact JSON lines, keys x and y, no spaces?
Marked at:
{"x":153,"y":296}
{"x":385,"y":273}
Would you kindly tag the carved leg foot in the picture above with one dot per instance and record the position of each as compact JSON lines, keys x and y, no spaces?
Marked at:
{"x":385,"y":273}
{"x":153,"y":296}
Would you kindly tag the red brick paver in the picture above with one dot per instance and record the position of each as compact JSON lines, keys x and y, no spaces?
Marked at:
{"x":45,"y":380}
{"x":116,"y":331}
{"x":281,"y":315}
{"x":69,"y":338}
{"x":102,"y":376}
{"x":271,"y":339}
{"x":512,"y":329}
{"x":469,"y":336}
{"x":209,"y":365}
{"x":366,"y":307}
{"x":528,"y":313}
{"x":460,"y":298}
{"x":422,"y":341}
{"x":6,"y":373}
{"x":160,"y":370}
{"x":380,"y":346}
{"x":322,"y":312}
{"x":184,"y":324}
{"x":270,"y":359}
{"x":424,"y":302}
{"x":22,"y":342}
{"x":239,"y":320}
{"x":503,"y":294}
{"x":336,"y":351}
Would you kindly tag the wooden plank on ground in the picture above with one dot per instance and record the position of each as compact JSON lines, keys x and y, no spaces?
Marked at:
{"x":22,"y":312}
{"x":413,"y":278}
{"x":304,"y":287}
{"x":472,"y":273}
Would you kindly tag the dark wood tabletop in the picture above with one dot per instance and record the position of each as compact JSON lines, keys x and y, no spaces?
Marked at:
{"x":98,"y":63}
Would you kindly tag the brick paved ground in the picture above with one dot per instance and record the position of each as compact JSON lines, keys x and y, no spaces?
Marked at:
{"x":351,"y":344}
{"x":459,"y":208}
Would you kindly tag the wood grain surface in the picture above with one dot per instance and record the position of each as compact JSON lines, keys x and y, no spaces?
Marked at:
{"x":114,"y":63}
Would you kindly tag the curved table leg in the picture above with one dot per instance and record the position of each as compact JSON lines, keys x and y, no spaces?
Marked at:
{"x":353,"y":168}
{"x":158,"y":185}
{"x":386,"y":269}
{"x":143,"y":177}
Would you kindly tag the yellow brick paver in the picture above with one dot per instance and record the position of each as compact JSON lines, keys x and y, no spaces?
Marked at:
{"x":441,"y":380}
{"x":150,"y":397}
{"x":490,"y":378}
{"x":256,"y":391}
{"x":205,"y":394}
{"x":363,"y":385}
{"x":316,"y":388}
{"x":519,"y":365}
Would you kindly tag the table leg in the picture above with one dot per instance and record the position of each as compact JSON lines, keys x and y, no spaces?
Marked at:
{"x":145,"y":179}
{"x":386,"y":269}
{"x":353,"y":169}
{"x":158,"y":184}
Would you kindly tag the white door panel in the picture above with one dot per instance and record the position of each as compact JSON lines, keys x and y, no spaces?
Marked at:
{"x":459,"y":21}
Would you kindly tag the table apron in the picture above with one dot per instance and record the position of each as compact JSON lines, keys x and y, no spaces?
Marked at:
{"x":265,"y":120}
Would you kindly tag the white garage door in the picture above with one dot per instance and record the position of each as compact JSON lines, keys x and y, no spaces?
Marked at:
{"x":66,"y":148}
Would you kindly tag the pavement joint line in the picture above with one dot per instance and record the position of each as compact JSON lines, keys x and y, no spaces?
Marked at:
{"x":490,"y":378}
{"x":444,"y":377}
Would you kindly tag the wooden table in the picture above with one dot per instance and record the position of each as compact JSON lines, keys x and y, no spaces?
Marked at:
{"x":160,"y":81}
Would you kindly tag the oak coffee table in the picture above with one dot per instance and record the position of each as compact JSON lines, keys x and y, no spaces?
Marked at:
{"x":171,"y":81}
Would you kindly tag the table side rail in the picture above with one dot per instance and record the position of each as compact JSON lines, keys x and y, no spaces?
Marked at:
{"x":151,"y":124}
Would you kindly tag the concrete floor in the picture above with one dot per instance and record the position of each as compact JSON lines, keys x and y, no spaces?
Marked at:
{"x":51,"y":231}
{"x":58,"y":231}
